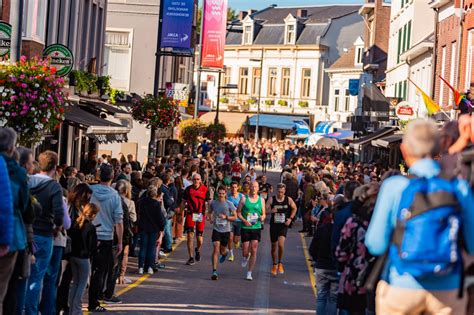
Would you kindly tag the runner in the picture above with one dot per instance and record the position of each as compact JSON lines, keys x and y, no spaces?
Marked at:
{"x":234,"y":197}
{"x":250,"y":212}
{"x":221,"y":214}
{"x":283,"y":211}
{"x":264,"y":188}
{"x":195,"y":198}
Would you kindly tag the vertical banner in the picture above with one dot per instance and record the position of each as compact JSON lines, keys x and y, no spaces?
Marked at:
{"x":177,"y":23}
{"x":213,"y":33}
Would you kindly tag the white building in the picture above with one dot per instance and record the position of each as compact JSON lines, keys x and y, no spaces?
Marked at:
{"x":297,"y":45}
{"x":410,"y":51}
{"x":342,"y":104}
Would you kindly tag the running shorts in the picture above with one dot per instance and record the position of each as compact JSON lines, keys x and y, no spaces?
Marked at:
{"x":237,"y":228}
{"x":222,"y":237}
{"x":251,"y":235}
{"x":277,"y":230}
{"x":191,"y":226}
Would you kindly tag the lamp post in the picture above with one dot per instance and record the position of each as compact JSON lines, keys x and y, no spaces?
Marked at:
{"x":259,"y":94}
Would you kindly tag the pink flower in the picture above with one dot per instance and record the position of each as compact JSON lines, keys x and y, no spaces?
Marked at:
{"x":23,"y":58}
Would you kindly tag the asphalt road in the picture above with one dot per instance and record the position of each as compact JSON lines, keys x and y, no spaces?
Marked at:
{"x":182,"y":289}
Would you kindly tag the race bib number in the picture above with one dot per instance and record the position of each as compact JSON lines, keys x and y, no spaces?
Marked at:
{"x":220,"y":221}
{"x":252,"y":218}
{"x":279,"y":218}
{"x":197,"y":217}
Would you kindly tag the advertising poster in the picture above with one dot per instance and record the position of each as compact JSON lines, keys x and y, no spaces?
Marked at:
{"x":177,"y":23}
{"x":214,"y":33}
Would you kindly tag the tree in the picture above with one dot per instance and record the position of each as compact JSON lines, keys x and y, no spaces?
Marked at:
{"x":231,"y":16}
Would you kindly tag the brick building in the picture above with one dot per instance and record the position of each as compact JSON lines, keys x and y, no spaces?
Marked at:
{"x":467,"y":53}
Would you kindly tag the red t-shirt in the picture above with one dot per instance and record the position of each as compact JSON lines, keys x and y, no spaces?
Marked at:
{"x":196,"y":198}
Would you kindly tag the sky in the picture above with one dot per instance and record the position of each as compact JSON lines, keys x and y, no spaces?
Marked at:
{"x":260,"y":4}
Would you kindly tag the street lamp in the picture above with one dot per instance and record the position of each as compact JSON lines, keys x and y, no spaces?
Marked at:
{"x":259,"y":93}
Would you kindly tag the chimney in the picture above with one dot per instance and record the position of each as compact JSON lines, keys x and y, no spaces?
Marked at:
{"x":242,"y":15}
{"x":302,"y":13}
{"x":252,"y":11}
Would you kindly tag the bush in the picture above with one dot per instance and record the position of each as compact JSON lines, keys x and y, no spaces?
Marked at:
{"x":84,"y":81}
{"x":283,"y":103}
{"x":269,"y":102}
{"x":303,"y":103}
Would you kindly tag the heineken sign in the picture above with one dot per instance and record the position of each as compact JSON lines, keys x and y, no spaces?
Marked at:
{"x":5,"y":38}
{"x":61,"y":58}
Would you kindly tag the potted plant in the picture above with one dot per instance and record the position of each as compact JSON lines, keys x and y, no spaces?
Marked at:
{"x":32,"y":99}
{"x":283,"y":102}
{"x":303,"y":104}
{"x":190,"y":130}
{"x":224,"y":100}
{"x":84,"y":82}
{"x":252,"y":101}
{"x":215,"y":132}
{"x":161,"y":112}
{"x":103,"y":85}
{"x":269,"y":102}
{"x":115,"y":95}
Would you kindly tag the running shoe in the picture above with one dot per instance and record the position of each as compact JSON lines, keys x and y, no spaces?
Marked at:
{"x":222,"y":258}
{"x":150,"y":271}
{"x":127,"y":280}
{"x":280,"y":269}
{"x":98,"y":309}
{"x":112,"y":300}
{"x":231,"y":257}
{"x":249,"y":276}
{"x":245,"y":261}
{"x":198,"y":255}
{"x":274,"y":270}
{"x":214,"y":275}
{"x":190,"y":262}
{"x":162,"y":254}
{"x":237,"y":245}
{"x":140,"y":271}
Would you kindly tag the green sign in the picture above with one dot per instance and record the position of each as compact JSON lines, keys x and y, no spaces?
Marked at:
{"x":61,"y":57}
{"x":5,"y":38}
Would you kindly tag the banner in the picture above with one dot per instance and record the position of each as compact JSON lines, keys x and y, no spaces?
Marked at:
{"x":177,"y":23}
{"x":5,"y":38}
{"x":179,"y":92}
{"x":213,"y":33}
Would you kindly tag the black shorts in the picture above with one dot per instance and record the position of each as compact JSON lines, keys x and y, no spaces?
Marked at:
{"x":222,"y":237}
{"x":277,"y":230}
{"x":237,"y":228}
{"x":251,"y":235}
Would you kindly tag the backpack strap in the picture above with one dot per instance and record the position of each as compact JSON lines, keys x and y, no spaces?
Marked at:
{"x":423,"y":203}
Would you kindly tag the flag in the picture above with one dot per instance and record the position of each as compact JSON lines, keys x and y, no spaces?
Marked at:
{"x":458,"y":97}
{"x":431,"y":105}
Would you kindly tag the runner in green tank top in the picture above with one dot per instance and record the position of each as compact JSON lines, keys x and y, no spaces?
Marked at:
{"x":251,"y":212}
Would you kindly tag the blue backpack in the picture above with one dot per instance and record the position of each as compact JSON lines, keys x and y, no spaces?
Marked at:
{"x":427,"y":234}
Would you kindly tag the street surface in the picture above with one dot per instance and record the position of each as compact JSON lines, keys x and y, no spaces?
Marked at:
{"x":182,"y":289}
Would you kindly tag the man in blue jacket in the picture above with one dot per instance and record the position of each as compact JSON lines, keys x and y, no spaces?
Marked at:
{"x":403,"y":293}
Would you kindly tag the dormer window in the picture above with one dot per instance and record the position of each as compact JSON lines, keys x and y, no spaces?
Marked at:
{"x":290,"y":34}
{"x":248,"y":36}
{"x":359,"y":51}
{"x":290,"y":30}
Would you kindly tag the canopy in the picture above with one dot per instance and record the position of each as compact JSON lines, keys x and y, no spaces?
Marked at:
{"x":313,"y":139}
{"x":234,"y":122}
{"x":324,"y":127}
{"x":276,"y":121}
{"x":341,"y":135}
{"x":373,"y":136}
{"x":301,"y":128}
{"x":328,"y":143}
{"x":386,"y":142}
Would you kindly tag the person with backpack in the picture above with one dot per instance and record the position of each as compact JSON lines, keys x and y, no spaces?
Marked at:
{"x":420,"y":221}
{"x":83,"y":243}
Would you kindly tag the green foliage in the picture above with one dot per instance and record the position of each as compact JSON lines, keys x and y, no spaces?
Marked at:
{"x":283,"y":103}
{"x":103,"y":84}
{"x":224,"y":100}
{"x":215,"y":132}
{"x":84,"y":81}
{"x":161,"y":112}
{"x":403,"y":124}
{"x":252,"y":101}
{"x":114,"y":94}
{"x":190,"y":130}
{"x":303,"y":104}
{"x":269,"y":102}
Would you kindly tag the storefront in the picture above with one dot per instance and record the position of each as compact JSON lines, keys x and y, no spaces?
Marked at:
{"x":388,"y":150}
{"x":364,"y":150}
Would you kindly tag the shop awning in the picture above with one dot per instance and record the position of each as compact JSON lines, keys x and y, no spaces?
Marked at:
{"x":323,"y":127}
{"x":341,"y":135}
{"x":386,"y":142}
{"x":357,"y":144}
{"x":301,"y":128}
{"x":234,"y":122}
{"x":328,"y":143}
{"x":284,"y":122}
{"x":374,"y":104}
{"x":102,"y":130}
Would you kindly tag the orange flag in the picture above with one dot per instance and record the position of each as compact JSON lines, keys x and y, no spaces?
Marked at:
{"x":457,"y":95}
{"x":431,"y":105}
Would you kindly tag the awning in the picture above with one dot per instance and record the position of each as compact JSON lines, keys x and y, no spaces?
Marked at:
{"x":276,"y":121}
{"x":313,"y":139}
{"x":374,"y":136}
{"x":328,"y":143}
{"x":234,"y":122}
{"x":301,"y":128}
{"x":386,"y":142}
{"x":102,"y":130}
{"x":324,"y":127}
{"x":374,"y":104}
{"x":341,"y":135}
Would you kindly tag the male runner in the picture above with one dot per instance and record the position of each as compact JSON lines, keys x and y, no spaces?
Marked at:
{"x":221,"y":214}
{"x":234,"y":197}
{"x":283,"y":211}
{"x":252,"y":215}
{"x":265,"y":188}
{"x":195,"y":197}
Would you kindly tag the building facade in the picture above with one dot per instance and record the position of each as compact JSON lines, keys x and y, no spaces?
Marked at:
{"x":467,"y":54}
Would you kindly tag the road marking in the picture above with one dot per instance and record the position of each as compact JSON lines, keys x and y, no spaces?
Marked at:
{"x":312,"y":278}
{"x":144,"y":277}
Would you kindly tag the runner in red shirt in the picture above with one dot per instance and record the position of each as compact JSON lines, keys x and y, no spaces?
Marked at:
{"x":195,"y":200}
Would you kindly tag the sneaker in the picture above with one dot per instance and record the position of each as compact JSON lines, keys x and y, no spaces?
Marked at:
{"x":98,"y":309}
{"x":112,"y":300}
{"x":127,"y":280}
{"x":237,"y":245}
{"x":161,"y":254}
{"x":274,"y":270}
{"x":214,"y":275}
{"x":280,"y":269}
{"x":150,"y":271}
{"x":245,"y":261}
{"x":190,"y":262}
{"x":222,"y":258}
{"x":231,"y":258}
{"x":198,"y":255}
{"x":249,"y":276}
{"x":160,"y":266}
{"x":140,"y":271}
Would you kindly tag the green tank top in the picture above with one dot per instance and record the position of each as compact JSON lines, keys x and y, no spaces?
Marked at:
{"x":252,"y":213}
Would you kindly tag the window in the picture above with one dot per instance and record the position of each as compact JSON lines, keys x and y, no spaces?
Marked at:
{"x":285,"y":82}
{"x":306,"y":83}
{"x":34,"y":19}
{"x":272,"y":81}
{"x":336,"y":99}
{"x":256,"y":77}
{"x":401,"y":90}
{"x":248,"y":36}
{"x":118,"y":58}
{"x":404,"y":39}
{"x":243,"y":80}
{"x":359,"y":55}
{"x":443,"y":71}
{"x":290,"y":34}
{"x":225,"y":78}
{"x":452,"y":72}
{"x":347,"y":101}
{"x":470,"y":60}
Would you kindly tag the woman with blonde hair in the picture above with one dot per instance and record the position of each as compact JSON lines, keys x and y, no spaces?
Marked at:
{"x":84,"y":243}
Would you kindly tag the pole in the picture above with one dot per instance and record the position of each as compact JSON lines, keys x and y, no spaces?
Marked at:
{"x":16,"y":20}
{"x":216,"y":120}
{"x":197,"y":98}
{"x":156,"y":85}
{"x":259,"y":96}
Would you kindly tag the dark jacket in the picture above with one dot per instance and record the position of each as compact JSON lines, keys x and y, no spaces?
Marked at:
{"x":6,"y":206}
{"x":320,"y":248}
{"x":340,"y":219}
{"x":84,"y":240}
{"x":168,"y":199}
{"x":49,"y":195}
{"x":151,"y":218}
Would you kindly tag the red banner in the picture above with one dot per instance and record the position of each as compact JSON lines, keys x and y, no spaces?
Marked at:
{"x":213,"y":33}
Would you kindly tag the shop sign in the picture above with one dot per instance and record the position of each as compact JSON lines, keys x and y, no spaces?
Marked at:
{"x":61,"y":58}
{"x":405,"y":111}
{"x":110,"y":138}
{"x":5,"y":38}
{"x":179,"y":92}
{"x":177,"y":23}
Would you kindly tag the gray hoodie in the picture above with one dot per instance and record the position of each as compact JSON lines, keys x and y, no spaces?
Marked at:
{"x":110,"y":213}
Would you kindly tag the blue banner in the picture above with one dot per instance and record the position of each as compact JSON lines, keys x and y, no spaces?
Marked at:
{"x":354,"y":87}
{"x":177,"y":23}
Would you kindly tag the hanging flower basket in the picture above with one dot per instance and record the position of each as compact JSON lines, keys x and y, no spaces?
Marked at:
{"x":215,"y":132}
{"x":32,"y":99}
{"x":190,"y":131}
{"x":161,"y":112}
